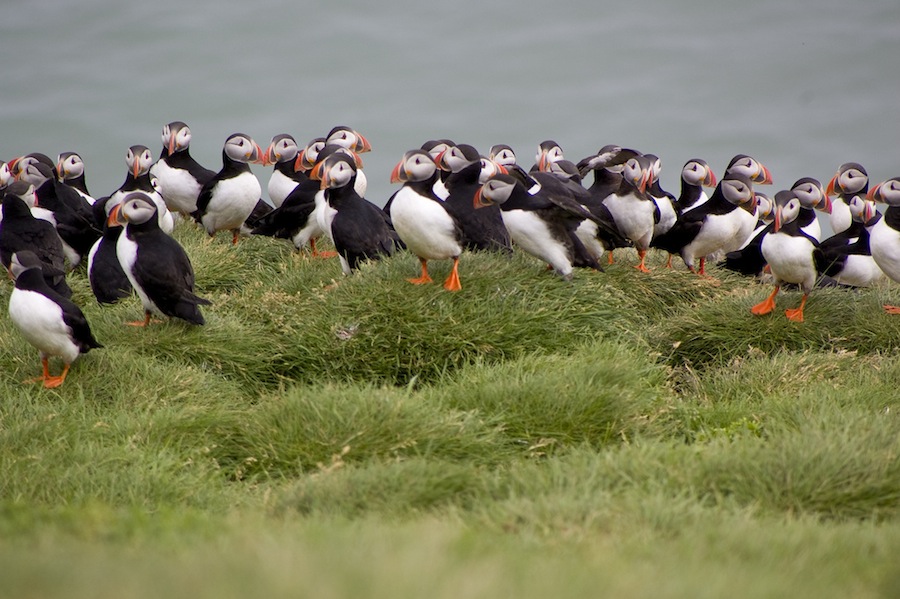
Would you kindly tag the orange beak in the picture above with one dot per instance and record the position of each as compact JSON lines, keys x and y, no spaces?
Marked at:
{"x":868,"y":212}
{"x":829,"y":191}
{"x":269,"y":157}
{"x":767,"y":176}
{"x":114,"y":218}
{"x":171,"y":145}
{"x":710,"y":180}
{"x":873,"y":193}
{"x":478,"y":200}
{"x":397,"y":173}
{"x":777,"y":218}
{"x":257,"y":156}
{"x":826,"y":203}
{"x":316,"y":171}
{"x":362,"y":144}
{"x":300,"y":161}
{"x":136,"y":168}
{"x":542,"y":161}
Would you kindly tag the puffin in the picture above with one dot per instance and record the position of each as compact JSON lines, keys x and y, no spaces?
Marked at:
{"x":351,"y":139}
{"x":884,"y":232}
{"x":846,"y":257}
{"x":179,"y":176}
{"x":502,"y":154}
{"x":229,"y":198}
{"x":421,"y":219}
{"x":751,"y":168}
{"x":70,"y":168}
{"x":296,"y":218}
{"x":21,"y":231}
{"x":851,"y":179}
{"x":632,"y":208}
{"x":812,"y":197}
{"x":606,"y":165}
{"x":282,"y":152}
{"x":359,"y":229}
{"x":748,"y":259}
{"x":666,"y":211}
{"x":109,"y":283}
{"x":548,"y":151}
{"x":542,"y":223}
{"x":729,"y":215}
{"x":435,"y":147}
{"x":139,"y":160}
{"x":792,"y":255}
{"x":49,"y":321}
{"x":74,"y":218}
{"x":156,"y":265}
{"x":482,"y":229}
{"x":695,"y":175}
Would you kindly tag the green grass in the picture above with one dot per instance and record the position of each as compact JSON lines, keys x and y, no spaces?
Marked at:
{"x":618,"y":435}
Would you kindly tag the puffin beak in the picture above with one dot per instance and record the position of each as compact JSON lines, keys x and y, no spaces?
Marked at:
{"x":868,"y":212}
{"x":777,"y":218}
{"x":269,"y":157}
{"x":362,"y":144}
{"x":751,"y":205}
{"x":397,"y":173}
{"x":114,"y":217}
{"x":645,"y":181}
{"x":710,"y":180}
{"x":542,"y":161}
{"x":829,"y":191}
{"x":767,"y":176}
{"x":439,"y":161}
{"x":257,"y":156}
{"x":873,"y":193}
{"x":323,"y":184}
{"x":357,"y":159}
{"x":315,"y":173}
{"x":826,"y":203}
{"x":300,"y":161}
{"x":136,"y":168}
{"x":171,"y":145}
{"x":478,"y":201}
{"x":12,"y":168}
{"x":502,"y":169}
{"x":61,"y":168}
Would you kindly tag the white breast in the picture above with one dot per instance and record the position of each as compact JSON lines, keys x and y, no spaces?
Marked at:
{"x":633,"y":217}
{"x":860,"y":271}
{"x":279,"y":187}
{"x":530,"y":232}
{"x":424,"y":226}
{"x":127,"y":252}
{"x":178,"y":187}
{"x":40,"y":320}
{"x":231,"y":203}
{"x":790,"y":258}
{"x":885,"y":245}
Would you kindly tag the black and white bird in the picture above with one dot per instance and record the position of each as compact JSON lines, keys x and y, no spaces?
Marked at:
{"x":632,"y":208}
{"x":139,"y":159}
{"x":156,"y":265}
{"x":421,"y":219}
{"x":282,"y":153}
{"x":727,"y":218}
{"x":70,"y":168}
{"x":359,"y":229}
{"x":74,"y":218}
{"x":751,"y":168}
{"x":21,"y":231}
{"x":49,"y":321}
{"x":108,"y":280}
{"x":548,"y":151}
{"x":481,"y":229}
{"x":229,"y":198}
{"x":179,"y":176}
{"x":850,"y":180}
{"x":884,"y":232}
{"x":695,"y":175}
{"x":351,"y":139}
{"x":846,"y":257}
{"x":748,"y":259}
{"x":791,"y":255}
{"x":541,"y":223}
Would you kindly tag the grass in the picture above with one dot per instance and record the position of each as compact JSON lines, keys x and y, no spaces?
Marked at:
{"x":621,"y":434}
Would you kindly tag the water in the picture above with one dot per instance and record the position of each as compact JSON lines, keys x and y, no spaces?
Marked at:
{"x":803,"y":87}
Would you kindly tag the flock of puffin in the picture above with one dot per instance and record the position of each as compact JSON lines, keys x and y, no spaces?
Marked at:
{"x":451,"y":198}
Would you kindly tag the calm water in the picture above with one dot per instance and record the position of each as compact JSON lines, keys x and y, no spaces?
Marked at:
{"x":803,"y":87}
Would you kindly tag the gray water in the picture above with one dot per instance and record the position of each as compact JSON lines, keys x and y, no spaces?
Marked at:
{"x":802,"y":86}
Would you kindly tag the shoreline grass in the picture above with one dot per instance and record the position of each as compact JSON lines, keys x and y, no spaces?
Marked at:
{"x":360,"y":436}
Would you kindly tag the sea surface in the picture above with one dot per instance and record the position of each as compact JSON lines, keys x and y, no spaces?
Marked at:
{"x":802,"y":86}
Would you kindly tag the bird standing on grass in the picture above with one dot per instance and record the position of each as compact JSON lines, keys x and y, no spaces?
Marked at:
{"x":229,"y":198}
{"x":791,"y":255}
{"x":156,"y":265}
{"x":421,"y":219}
{"x":179,"y":176}
{"x":47,"y":320}
{"x":884,"y":240}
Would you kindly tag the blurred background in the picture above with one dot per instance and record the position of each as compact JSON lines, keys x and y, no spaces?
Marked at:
{"x":802,"y":86}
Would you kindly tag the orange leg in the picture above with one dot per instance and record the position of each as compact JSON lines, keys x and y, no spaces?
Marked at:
{"x":452,"y":283}
{"x":609,"y":258}
{"x":796,"y":314}
{"x":235,"y":234}
{"x":45,"y":362}
{"x":318,"y":254}
{"x":702,"y":272}
{"x":669,"y":262}
{"x":891,"y":309}
{"x":642,"y":267}
{"x":766,"y":306}
{"x":424,"y":278}
{"x":52,"y":382}
{"x":140,"y":323}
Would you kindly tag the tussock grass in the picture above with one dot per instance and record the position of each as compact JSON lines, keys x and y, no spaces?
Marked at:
{"x":575,"y":436}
